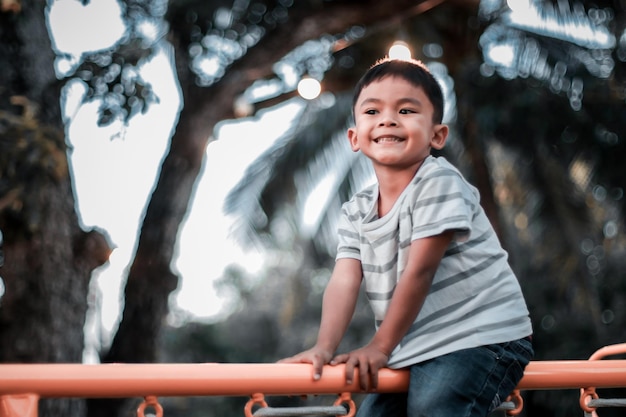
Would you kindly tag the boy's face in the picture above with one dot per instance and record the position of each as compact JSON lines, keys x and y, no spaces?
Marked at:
{"x":394,"y":124}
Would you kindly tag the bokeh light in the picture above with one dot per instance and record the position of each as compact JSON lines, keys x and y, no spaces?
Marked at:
{"x":309,"y":88}
{"x":400,"y":50}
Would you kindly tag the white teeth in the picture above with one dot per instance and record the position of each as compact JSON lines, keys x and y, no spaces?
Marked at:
{"x":387,"y":139}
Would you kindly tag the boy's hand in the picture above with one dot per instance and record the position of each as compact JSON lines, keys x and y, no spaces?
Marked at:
{"x":315,"y":356}
{"x":368,"y":359}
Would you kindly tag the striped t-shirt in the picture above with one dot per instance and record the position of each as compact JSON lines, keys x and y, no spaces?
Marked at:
{"x":475,"y":298}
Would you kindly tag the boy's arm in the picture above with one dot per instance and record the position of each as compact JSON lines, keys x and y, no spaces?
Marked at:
{"x":408,"y":297}
{"x":340,"y":297}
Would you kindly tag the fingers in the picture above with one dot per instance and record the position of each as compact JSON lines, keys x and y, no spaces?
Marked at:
{"x":367,"y":370}
{"x":350,"y":364}
{"x":295,"y":359}
{"x":373,"y":375}
{"x":367,"y":373}
{"x":313,"y":359}
{"x":318,"y":365}
{"x":341,"y":358}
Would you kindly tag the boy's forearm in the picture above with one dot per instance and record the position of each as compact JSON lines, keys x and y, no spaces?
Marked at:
{"x":336,"y":316}
{"x":338,"y":305}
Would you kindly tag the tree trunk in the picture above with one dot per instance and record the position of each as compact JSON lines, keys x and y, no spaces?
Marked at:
{"x":48,"y":258}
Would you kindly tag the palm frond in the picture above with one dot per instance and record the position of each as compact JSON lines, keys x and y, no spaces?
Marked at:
{"x":270,"y":184}
{"x":561,"y":45}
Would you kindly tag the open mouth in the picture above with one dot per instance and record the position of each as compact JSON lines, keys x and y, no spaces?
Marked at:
{"x":388,"y":139}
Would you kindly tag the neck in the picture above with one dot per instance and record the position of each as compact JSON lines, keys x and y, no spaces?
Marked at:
{"x":391,"y":183}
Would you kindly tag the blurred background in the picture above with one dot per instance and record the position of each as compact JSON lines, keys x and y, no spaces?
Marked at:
{"x":171,"y":172}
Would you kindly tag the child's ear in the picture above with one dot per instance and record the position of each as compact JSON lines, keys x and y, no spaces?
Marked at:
{"x":354,"y":143}
{"x":440,"y":134}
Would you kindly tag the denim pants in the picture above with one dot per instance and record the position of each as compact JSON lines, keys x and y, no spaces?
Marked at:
{"x":467,"y":383}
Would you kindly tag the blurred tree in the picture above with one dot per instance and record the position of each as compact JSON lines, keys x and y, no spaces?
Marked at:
{"x":48,"y":257}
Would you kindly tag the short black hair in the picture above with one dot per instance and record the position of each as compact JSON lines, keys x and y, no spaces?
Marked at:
{"x":413,"y":71}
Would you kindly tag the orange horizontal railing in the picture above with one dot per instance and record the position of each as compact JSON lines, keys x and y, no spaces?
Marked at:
{"x":227,"y":379}
{"x":166,"y":380}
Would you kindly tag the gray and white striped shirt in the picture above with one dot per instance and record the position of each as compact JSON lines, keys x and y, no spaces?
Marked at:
{"x":475,"y":298}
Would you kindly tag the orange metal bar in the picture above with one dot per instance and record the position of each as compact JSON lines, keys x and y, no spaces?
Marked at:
{"x":588,"y":392}
{"x":22,"y":385}
{"x":209,"y":379}
{"x":141,"y":380}
{"x":542,"y":375}
{"x":610,"y":350}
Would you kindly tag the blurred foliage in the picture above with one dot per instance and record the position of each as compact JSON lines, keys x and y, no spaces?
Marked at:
{"x":31,"y":156}
{"x":112,"y":77}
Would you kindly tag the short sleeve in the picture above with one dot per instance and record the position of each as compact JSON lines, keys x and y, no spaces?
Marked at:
{"x":348,"y":237}
{"x":443,"y":201}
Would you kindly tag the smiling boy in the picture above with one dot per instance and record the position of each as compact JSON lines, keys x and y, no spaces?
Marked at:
{"x":446,"y":303}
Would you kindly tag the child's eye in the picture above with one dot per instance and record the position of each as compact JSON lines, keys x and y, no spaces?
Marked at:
{"x":406,"y":111}
{"x":371,"y":111}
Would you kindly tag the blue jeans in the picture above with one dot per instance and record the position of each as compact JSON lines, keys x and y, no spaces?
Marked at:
{"x":467,"y":383}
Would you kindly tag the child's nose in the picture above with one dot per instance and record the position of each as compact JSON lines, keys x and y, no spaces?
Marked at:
{"x":387,"y":119}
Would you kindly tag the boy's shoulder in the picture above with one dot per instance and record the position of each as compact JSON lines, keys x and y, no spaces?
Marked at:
{"x":362,"y":201}
{"x":437,"y":176}
{"x":366,"y":195}
{"x":436,"y":164}
{"x":438,"y":168}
